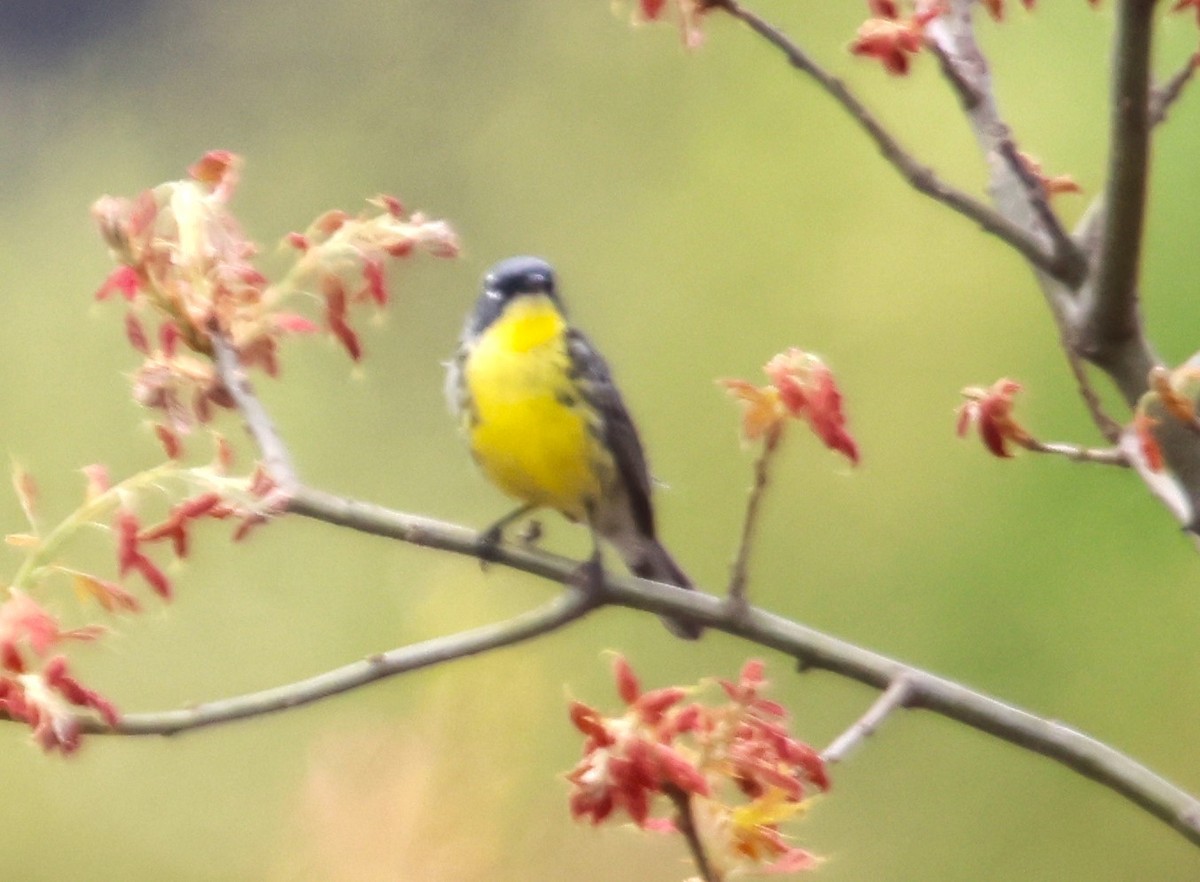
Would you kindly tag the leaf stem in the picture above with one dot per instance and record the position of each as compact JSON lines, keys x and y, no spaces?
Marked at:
{"x":739,"y":576}
{"x":686,"y":822}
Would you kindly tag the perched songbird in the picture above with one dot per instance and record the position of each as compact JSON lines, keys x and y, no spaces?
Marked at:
{"x":547,"y":426}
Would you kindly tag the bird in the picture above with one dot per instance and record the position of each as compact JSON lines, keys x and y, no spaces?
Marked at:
{"x":546,"y":424}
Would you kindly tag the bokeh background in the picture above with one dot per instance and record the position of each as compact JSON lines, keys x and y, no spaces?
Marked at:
{"x":704,"y":210}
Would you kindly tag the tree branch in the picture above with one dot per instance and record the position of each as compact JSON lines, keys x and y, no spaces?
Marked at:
{"x":275,"y":456}
{"x":1067,"y":253}
{"x":1017,"y":194}
{"x":685,"y":821}
{"x":1110,"y":324}
{"x":919,"y":176}
{"x":1023,"y":216}
{"x":740,"y":573}
{"x":1098,"y":320}
{"x":1104,"y":456}
{"x":1109,"y":427}
{"x":895,"y":697}
{"x":562,"y":610}
{"x":812,"y":649}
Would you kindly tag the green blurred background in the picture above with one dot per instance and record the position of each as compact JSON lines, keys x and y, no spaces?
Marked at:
{"x":704,"y":210}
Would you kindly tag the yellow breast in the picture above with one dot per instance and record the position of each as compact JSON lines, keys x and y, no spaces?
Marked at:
{"x":530,"y":429}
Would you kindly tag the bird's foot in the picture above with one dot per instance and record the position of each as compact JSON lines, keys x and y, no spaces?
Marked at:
{"x":487,"y":546}
{"x":588,"y":577}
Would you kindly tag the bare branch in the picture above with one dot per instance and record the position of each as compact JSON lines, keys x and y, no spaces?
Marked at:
{"x":276,"y":457}
{"x":1108,"y":327}
{"x":1103,"y":456}
{"x":895,"y":697}
{"x":737,"y":595}
{"x":919,"y":176}
{"x":1018,"y":194}
{"x":561,"y":611}
{"x":1110,"y":317}
{"x":1109,"y":427}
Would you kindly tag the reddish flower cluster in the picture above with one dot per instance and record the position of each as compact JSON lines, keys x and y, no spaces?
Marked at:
{"x":995,"y":8}
{"x":762,"y":755}
{"x":1147,"y":443}
{"x":343,"y":259}
{"x":176,"y":527}
{"x":27,"y":627}
{"x":802,"y":387}
{"x":1172,"y":395}
{"x":688,"y":15}
{"x":43,"y":699}
{"x":47,"y":701}
{"x":892,"y":39}
{"x":1052,"y":185}
{"x":990,"y":411}
{"x":184,"y":260}
{"x":1176,"y":390}
{"x":47,"y":698}
{"x":740,"y":771}
{"x":1185,"y":5}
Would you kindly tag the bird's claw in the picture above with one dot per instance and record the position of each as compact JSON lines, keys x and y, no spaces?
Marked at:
{"x":487,"y":546}
{"x":588,"y":577}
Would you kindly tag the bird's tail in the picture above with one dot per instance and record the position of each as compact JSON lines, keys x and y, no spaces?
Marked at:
{"x":655,"y":563}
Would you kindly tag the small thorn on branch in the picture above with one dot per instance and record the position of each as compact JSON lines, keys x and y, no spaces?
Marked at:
{"x":1164,"y":95}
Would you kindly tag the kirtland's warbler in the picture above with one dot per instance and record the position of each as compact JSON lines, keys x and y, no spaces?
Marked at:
{"x":546,"y":424}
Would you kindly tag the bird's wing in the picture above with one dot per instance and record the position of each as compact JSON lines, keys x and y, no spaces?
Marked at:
{"x":591,"y":372}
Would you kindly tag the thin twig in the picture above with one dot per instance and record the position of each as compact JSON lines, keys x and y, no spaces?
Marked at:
{"x":951,"y":38}
{"x":559,"y":612}
{"x":1067,"y":252}
{"x":1163,"y":96}
{"x":1104,"y":456}
{"x":1109,"y":428}
{"x":895,"y":697}
{"x":737,"y":595}
{"x":685,"y":821}
{"x":276,"y":457}
{"x":919,"y":176}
